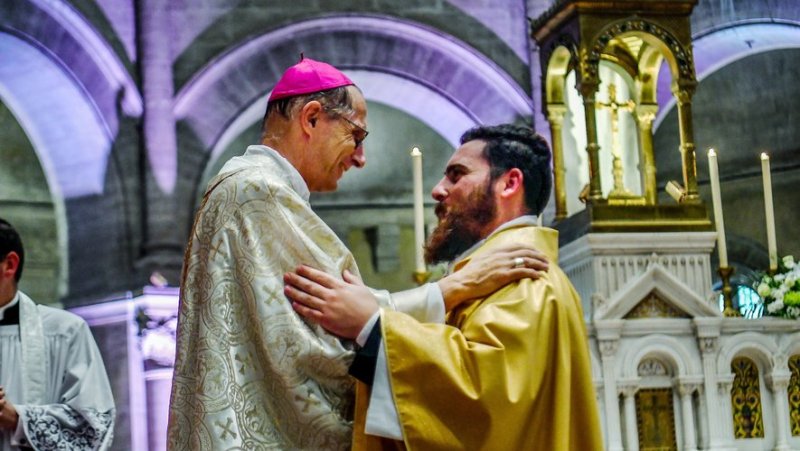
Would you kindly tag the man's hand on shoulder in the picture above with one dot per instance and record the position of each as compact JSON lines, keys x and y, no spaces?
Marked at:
{"x":342,"y":307}
{"x":488,"y":272}
{"x":8,"y":414}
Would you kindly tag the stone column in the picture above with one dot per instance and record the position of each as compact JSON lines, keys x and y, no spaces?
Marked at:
{"x":645,"y":114}
{"x":588,"y":90}
{"x":708,"y":348}
{"x":628,"y":392}
{"x":687,"y":413}
{"x":778,"y":382}
{"x":708,"y":331}
{"x":157,"y":91}
{"x":163,"y":241}
{"x":702,"y":417}
{"x":159,"y":386}
{"x":725,"y":415}
{"x":608,"y":349}
{"x":555,"y":115}
{"x":599,"y":394}
{"x":688,"y":158}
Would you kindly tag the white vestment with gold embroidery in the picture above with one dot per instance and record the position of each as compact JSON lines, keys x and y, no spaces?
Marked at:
{"x":250,"y":373}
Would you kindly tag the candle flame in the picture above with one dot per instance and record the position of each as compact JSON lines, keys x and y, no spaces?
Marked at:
{"x":712,"y":152}
{"x":415,"y":152}
{"x":764,"y":156}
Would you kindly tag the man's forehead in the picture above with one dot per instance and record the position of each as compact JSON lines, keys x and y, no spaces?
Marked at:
{"x":469,"y":154}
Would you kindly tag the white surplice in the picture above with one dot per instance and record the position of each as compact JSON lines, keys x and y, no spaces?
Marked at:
{"x":54,"y":376}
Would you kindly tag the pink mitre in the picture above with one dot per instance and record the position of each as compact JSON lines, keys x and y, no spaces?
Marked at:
{"x":308,"y":76}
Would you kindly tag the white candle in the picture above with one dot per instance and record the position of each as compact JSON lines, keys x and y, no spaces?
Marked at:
{"x":419,"y":213}
{"x":771,"y":242}
{"x":713,"y":171}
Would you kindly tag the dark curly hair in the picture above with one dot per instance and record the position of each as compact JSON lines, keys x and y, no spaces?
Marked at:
{"x":11,"y":242}
{"x":511,"y":146}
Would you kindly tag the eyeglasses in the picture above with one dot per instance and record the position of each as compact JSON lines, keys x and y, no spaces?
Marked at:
{"x":359,"y":132}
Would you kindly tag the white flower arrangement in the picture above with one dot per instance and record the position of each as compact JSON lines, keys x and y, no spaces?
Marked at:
{"x":157,"y":338}
{"x":780,"y":293}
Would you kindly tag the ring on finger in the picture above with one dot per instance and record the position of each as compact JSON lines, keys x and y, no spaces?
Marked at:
{"x":519,"y":262}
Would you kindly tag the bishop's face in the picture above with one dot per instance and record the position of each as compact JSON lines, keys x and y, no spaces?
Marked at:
{"x":466,"y":204}
{"x":339,"y":145}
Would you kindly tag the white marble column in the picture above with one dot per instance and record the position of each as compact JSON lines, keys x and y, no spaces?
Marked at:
{"x":687,"y":413}
{"x":725,"y":411}
{"x":158,"y":382}
{"x":708,"y":331}
{"x":779,"y":382}
{"x":608,"y":350}
{"x":702,"y":418}
{"x":628,"y":392}
{"x":599,"y":394}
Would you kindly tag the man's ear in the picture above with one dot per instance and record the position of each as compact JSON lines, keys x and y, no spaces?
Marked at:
{"x":309,"y":115}
{"x":10,"y":265}
{"x":511,"y":183}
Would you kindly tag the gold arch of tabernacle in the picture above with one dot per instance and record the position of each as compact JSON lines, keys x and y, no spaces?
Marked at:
{"x":567,"y":52}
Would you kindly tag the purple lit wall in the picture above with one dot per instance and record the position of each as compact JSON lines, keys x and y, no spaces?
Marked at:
{"x":717,"y":49}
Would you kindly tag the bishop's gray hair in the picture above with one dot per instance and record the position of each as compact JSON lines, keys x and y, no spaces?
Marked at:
{"x":336,"y":101}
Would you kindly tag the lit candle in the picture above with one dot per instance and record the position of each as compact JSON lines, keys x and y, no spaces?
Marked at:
{"x":713,"y":171}
{"x":771,"y":242}
{"x":419,"y":218}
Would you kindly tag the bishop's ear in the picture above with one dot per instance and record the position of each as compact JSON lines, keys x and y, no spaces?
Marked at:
{"x":310,"y":114}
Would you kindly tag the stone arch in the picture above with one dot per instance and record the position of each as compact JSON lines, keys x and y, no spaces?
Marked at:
{"x":88,"y":89}
{"x":49,"y":137}
{"x":755,"y":346}
{"x":81,"y":170}
{"x":716,"y":49}
{"x":467,"y":83}
{"x":66,"y":36}
{"x":664,"y":348}
{"x":791,"y":345}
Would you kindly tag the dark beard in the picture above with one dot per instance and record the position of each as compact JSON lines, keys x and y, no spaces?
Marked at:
{"x":461,"y":227}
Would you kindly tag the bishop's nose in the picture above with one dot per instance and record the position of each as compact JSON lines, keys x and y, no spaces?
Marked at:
{"x":358,"y":158}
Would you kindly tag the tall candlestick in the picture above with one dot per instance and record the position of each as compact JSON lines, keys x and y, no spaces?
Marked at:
{"x":771,"y":242}
{"x":713,"y":171}
{"x":419,"y":218}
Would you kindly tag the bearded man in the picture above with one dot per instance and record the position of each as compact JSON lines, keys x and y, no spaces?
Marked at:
{"x":508,"y":371}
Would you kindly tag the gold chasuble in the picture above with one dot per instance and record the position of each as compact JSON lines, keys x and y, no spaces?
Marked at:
{"x":249,"y":372}
{"x":508,"y":372}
